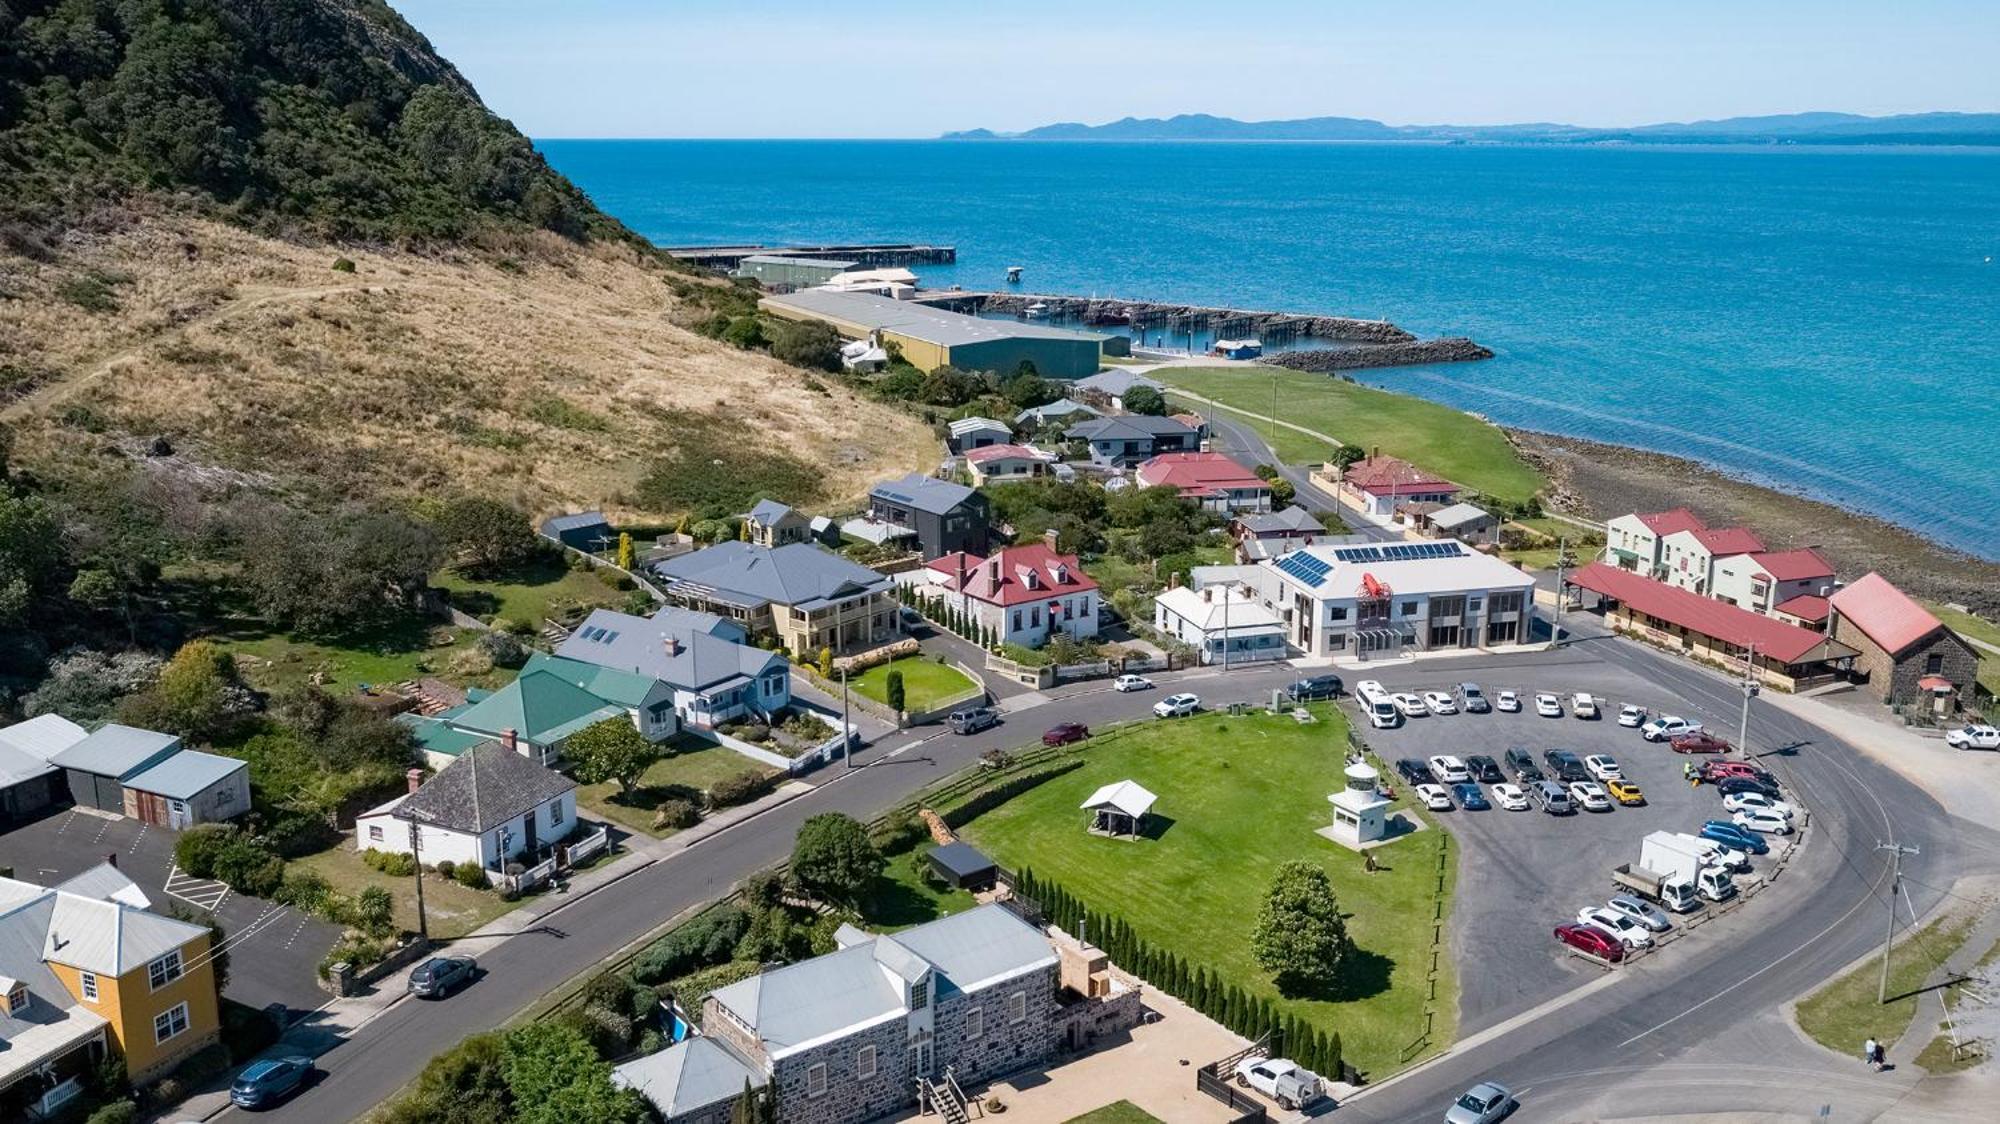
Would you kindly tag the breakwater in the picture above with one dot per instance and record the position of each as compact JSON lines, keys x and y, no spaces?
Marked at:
{"x":1177,"y":319}
{"x":870,"y":256}
{"x":1451,"y":349}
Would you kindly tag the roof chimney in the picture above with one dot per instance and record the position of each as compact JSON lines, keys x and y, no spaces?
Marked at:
{"x":993,"y":570}
{"x":1208,"y":594}
{"x":1049,"y":538}
{"x":511,"y":740}
{"x":416,"y":779}
{"x":111,"y":859}
{"x":673,"y":645}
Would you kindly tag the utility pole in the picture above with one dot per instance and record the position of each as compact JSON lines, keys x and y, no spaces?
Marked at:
{"x":1750,"y":691}
{"x":423,"y":924}
{"x":1562,"y":560}
{"x":846,"y":730}
{"x":1896,"y":853}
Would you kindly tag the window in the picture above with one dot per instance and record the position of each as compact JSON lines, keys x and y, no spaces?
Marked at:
{"x":374,"y":833}
{"x":1934,"y":664}
{"x":166,"y":1024}
{"x":555,"y":813}
{"x":975,"y":1023}
{"x":1017,"y":1007}
{"x":864,"y":1062}
{"x":816,"y":1080}
{"x":1035,"y":617}
{"x":1336,"y":613}
{"x":89,"y":981}
{"x":18,"y":1000}
{"x":920,"y":995}
{"x":1017,"y":620}
{"x":165,"y":970}
{"x":1409,"y":608}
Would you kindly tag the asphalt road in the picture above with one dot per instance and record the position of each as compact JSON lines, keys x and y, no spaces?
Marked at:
{"x":1231,"y":433}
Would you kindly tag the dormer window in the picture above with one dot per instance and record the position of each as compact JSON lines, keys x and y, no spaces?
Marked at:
{"x":18,"y":1000}
{"x":920,"y":995}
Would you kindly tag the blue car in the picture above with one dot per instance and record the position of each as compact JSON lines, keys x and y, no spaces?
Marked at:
{"x":1470,"y":797}
{"x":267,"y":1081}
{"x":1730,"y":835}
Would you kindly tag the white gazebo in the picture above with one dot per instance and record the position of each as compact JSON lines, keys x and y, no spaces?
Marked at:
{"x":1360,"y":813}
{"x":1119,"y":809}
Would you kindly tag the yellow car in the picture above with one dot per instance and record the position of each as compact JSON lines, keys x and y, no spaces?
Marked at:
{"x":1625,"y":792}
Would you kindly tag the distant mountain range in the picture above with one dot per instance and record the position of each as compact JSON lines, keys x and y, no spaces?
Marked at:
{"x":1788,"y":128}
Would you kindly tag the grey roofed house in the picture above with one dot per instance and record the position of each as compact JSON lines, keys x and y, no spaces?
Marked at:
{"x":799,"y":1005}
{"x":1129,"y":427}
{"x":16,"y":767}
{"x":584,"y":530}
{"x":1056,"y":410}
{"x":691,"y":1074}
{"x":1294,"y":520}
{"x":924,"y":493}
{"x":1459,"y":515}
{"x":798,"y":574}
{"x":1115,"y":382}
{"x":106,"y":883}
{"x":485,"y":787}
{"x":770,"y":511}
{"x":117,"y":751}
{"x":186,"y":774}
{"x":680,"y":647}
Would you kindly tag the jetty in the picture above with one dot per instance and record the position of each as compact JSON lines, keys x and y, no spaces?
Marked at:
{"x":870,"y":256}
{"x":1174,"y":319}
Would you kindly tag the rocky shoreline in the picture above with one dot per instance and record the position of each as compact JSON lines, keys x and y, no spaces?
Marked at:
{"x":1451,"y":349}
{"x":1594,"y":480}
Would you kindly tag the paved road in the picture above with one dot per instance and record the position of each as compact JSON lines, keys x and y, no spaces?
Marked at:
{"x":1234,"y":434}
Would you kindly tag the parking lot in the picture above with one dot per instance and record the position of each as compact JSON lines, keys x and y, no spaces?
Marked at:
{"x":274,"y":950}
{"x":1523,"y":873}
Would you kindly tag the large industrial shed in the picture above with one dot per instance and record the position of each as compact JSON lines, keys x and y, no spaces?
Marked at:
{"x":778,"y":270}
{"x":931,"y":337}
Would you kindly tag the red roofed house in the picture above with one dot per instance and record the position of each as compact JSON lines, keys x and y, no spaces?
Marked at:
{"x":1712,"y":631}
{"x":1378,"y":484}
{"x":1632,"y":542}
{"x":1906,"y":654}
{"x":1210,"y":479}
{"x":1763,"y":580}
{"x":1689,"y":556}
{"x":1005,"y":464}
{"x":1022,"y":594}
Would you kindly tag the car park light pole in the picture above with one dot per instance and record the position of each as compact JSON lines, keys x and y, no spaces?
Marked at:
{"x":1750,"y":691}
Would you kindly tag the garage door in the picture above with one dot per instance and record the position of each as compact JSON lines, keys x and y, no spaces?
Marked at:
{"x":92,"y":791}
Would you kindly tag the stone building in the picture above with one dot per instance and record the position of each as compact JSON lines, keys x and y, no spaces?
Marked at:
{"x":1906,"y":656}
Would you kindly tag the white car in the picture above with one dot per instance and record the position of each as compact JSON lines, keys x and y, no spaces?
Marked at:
{"x":1728,"y":858}
{"x":1756,"y":802}
{"x":1548,"y":706}
{"x":1582,"y":705}
{"x":1174,"y":706}
{"x":1762,"y":821}
{"x":1603,"y":767}
{"x":1973,"y":737}
{"x":1435,"y":797}
{"x":1640,"y":910}
{"x":1409,"y":704}
{"x":1630,"y":716}
{"x":1507,"y":701}
{"x":1590,"y":796}
{"x":1629,"y":932}
{"x":1440,"y":703}
{"x":1510,"y":797}
{"x":1667,"y":726}
{"x":1449,"y":770}
{"x":1131,"y":683}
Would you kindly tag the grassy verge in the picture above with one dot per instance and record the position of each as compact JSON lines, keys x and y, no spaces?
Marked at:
{"x":1238,"y":797}
{"x":925,"y":682}
{"x":1469,"y":451}
{"x":697,"y":765}
{"x":452,"y":910}
{"x":1939,"y":1056}
{"x":1844,"y":1013}
{"x":1117,"y":1112}
{"x":1978,"y":628}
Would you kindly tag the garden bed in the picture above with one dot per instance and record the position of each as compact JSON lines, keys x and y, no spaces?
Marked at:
{"x":693,"y":769}
{"x":452,"y":910}
{"x":926,"y":682}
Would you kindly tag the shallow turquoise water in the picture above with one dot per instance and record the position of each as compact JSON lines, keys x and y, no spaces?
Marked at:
{"x":1820,"y":320}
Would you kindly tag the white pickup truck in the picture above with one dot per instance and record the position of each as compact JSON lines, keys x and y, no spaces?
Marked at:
{"x":1286,"y":1082}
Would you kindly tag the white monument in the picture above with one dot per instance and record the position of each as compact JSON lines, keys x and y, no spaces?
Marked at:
{"x":1360,"y":813}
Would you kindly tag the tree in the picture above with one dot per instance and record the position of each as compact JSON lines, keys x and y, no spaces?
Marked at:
{"x":86,"y":686}
{"x":832,"y":857}
{"x":1283,"y":492}
{"x":1346,"y":454}
{"x":892,"y":688}
{"x":948,"y":386}
{"x":812,"y":344}
{"x":374,"y":911}
{"x":485,"y":536}
{"x":199,"y":695}
{"x":556,"y":1077}
{"x":625,"y":552}
{"x":746,"y":332}
{"x":1026,"y":389}
{"x":31,"y":554}
{"x":612,"y":750}
{"x":1301,"y":937}
{"x":826,"y":663}
{"x":1144,"y":400}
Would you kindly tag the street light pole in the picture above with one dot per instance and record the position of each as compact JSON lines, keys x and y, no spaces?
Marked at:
{"x":1749,"y":687}
{"x":846,"y":729}
{"x":1896,"y":853}
{"x":1562,"y":557}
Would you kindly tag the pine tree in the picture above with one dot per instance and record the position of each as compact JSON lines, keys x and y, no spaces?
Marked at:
{"x":1335,"y":1063}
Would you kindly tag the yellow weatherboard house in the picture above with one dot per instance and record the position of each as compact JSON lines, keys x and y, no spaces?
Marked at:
{"x":86,"y":971}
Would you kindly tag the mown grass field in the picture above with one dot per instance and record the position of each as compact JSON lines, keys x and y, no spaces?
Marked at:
{"x":451,"y":910}
{"x":1117,"y":1112}
{"x":926,"y":682}
{"x":1463,"y":448}
{"x":274,"y":661}
{"x":527,"y":598}
{"x":1238,"y":797}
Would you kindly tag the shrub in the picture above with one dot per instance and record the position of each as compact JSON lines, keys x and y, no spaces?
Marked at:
{"x":117,"y":1112}
{"x":198,"y":847}
{"x":246,"y":1031}
{"x":706,"y":939}
{"x":445,"y":867}
{"x":374,"y":911}
{"x":469,"y":664}
{"x":503,"y":649}
{"x":676,"y":815}
{"x":739,"y":788}
{"x":989,"y":799}
{"x":892,"y":689}
{"x":471,"y":876}
{"x":304,"y":890}
{"x":248,"y":866}
{"x":900,"y":832}
{"x":343,"y":265}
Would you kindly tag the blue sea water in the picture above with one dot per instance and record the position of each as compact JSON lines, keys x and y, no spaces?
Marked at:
{"x":1825,"y":321}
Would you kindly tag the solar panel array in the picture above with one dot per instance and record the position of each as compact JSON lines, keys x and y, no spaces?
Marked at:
{"x":599,"y":635}
{"x":1308,"y":568}
{"x":1399,"y":552}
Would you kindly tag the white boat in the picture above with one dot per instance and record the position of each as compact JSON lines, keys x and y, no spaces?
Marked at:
{"x":1036,"y":311}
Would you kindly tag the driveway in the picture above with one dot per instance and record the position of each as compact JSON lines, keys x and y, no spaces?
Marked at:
{"x":274,"y":950}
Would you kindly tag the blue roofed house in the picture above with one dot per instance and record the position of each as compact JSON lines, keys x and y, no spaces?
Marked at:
{"x":807,"y":597}
{"x":715,"y":675}
{"x":696,"y":1081}
{"x":775,"y":524}
{"x":1034,"y":417}
{"x":1130,"y":439}
{"x":97,"y":767}
{"x":584,"y":530}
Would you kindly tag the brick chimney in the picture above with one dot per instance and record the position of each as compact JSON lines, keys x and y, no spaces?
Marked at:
{"x":993,"y":571}
{"x":1049,"y":538}
{"x":511,"y":740}
{"x":672,"y":645}
{"x":416,"y":779}
{"x":111,"y":859}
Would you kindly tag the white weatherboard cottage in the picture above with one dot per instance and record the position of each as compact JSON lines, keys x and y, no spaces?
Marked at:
{"x":489,"y":806}
{"x":1227,"y":624}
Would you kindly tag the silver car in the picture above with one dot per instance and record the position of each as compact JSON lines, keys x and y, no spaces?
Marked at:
{"x":1482,"y":1104}
{"x":1644,"y":912}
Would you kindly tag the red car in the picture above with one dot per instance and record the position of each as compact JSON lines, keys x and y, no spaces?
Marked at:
{"x":1713,"y":771}
{"x":1699,"y":742}
{"x":1595,"y":941}
{"x":1066,"y":733}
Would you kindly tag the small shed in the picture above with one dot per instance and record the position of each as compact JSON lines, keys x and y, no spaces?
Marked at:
{"x":584,"y":530}
{"x":97,"y":767}
{"x":964,"y":867}
{"x":1119,"y":810}
{"x":188,"y":788}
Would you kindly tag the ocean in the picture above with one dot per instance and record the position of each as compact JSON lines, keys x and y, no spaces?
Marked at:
{"x":1823,"y":321}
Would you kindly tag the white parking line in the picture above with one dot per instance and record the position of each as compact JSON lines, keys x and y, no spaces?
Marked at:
{"x":203,"y":892}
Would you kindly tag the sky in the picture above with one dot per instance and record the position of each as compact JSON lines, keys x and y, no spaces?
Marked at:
{"x":902,"y":68}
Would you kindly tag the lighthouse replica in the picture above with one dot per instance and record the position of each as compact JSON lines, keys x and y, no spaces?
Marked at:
{"x":1360,"y":814}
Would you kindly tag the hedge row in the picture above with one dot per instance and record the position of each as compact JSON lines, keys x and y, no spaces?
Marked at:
{"x":988,"y":799}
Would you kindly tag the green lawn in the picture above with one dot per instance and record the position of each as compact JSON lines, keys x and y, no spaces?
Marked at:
{"x":530,"y":596}
{"x":1978,"y":628}
{"x":1237,"y":797}
{"x":926,"y":682}
{"x":698,"y":764}
{"x":273,"y":660}
{"x":903,"y":897}
{"x":453,"y":910}
{"x":1436,"y":437}
{"x":1845,"y":1012}
{"x":1117,"y":1112}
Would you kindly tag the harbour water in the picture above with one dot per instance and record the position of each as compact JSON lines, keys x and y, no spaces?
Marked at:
{"x":1825,"y":321}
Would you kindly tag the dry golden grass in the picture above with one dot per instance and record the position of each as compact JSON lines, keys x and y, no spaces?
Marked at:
{"x":541,"y":373}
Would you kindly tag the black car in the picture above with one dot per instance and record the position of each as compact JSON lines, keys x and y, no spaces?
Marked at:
{"x":1730,"y":786}
{"x":1316,"y":687}
{"x":1415,"y":771}
{"x":1566,"y":766}
{"x":1523,"y":764}
{"x":441,"y":975}
{"x":1485,"y":769}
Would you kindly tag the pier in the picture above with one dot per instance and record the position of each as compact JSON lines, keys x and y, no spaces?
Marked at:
{"x":1273,"y":328}
{"x":876,"y":256}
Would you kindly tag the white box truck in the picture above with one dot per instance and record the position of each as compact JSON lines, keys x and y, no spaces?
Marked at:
{"x":1673,"y":861}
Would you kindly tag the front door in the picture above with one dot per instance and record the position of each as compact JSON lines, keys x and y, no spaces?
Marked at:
{"x":528,"y":838}
{"x":177,"y":814}
{"x":921,"y":1059}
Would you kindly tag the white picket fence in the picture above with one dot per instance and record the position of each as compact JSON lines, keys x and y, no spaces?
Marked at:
{"x":588,"y":846}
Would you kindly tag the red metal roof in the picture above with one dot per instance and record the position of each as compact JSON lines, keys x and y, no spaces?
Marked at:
{"x":1793,"y":565}
{"x":1723,"y":541}
{"x":1664,"y":523}
{"x":1885,"y":613}
{"x":1003,"y":578}
{"x":1390,"y":474}
{"x":997,"y":452}
{"x":1805,"y":606}
{"x":1198,"y":473}
{"x":1936,"y":683}
{"x":1786,"y":643}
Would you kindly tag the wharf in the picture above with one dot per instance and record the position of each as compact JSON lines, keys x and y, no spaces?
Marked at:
{"x":1176,"y":319}
{"x":869,"y":256}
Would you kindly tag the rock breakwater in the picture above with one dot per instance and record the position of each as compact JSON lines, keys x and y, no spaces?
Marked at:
{"x":1271,"y":327}
{"x":1453,"y":349}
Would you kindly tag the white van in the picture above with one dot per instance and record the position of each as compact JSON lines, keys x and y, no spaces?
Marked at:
{"x":1377,"y":705}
